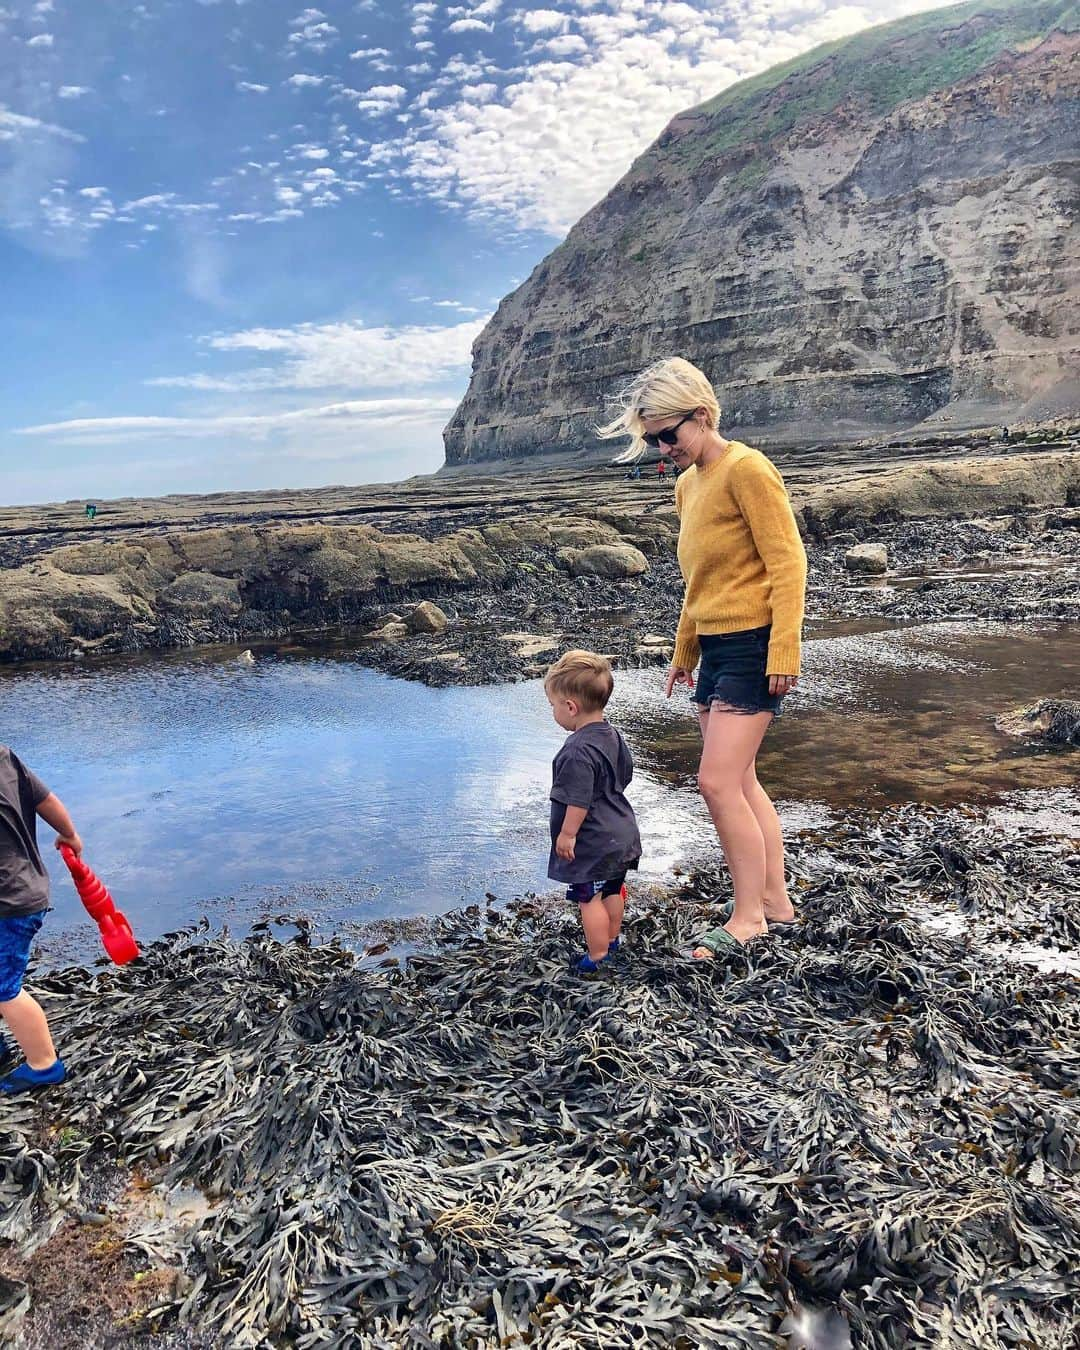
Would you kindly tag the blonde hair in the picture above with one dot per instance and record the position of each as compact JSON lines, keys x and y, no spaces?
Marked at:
{"x":583,"y":676}
{"x":667,"y":388}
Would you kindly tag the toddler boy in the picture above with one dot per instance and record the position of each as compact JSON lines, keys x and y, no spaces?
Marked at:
{"x":594,"y":834}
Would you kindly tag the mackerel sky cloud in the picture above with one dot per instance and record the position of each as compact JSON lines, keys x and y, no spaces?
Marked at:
{"x":216,"y":213}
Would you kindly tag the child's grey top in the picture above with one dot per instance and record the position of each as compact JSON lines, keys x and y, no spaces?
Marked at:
{"x":591,"y":770}
{"x":24,"y":883}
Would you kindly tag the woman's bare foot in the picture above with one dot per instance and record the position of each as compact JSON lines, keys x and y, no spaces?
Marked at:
{"x":776,"y":911}
{"x":779,"y":911}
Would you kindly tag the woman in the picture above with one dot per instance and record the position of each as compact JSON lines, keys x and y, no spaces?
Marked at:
{"x":745,"y":572}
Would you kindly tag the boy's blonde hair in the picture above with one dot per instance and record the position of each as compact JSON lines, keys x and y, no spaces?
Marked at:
{"x":583,"y":676}
{"x":667,"y":388}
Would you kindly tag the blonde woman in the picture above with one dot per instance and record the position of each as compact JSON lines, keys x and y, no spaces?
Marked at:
{"x":745,"y":572}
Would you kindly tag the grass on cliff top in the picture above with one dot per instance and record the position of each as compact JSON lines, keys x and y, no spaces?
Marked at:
{"x":881,"y":68}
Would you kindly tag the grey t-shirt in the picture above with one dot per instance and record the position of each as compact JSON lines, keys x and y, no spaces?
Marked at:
{"x":592,"y":770}
{"x":24,"y":883}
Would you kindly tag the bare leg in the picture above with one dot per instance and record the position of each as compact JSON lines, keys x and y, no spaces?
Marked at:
{"x":595,"y":922}
{"x":778,"y":908}
{"x":731,"y":745}
{"x":26,"y":1019}
{"x":614,"y":904}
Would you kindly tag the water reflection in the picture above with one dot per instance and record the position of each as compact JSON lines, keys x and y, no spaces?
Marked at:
{"x":301,"y":784}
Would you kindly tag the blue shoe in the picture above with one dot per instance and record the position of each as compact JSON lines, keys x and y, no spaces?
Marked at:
{"x":26,"y":1079}
{"x":585,"y":965}
{"x":613,"y":946}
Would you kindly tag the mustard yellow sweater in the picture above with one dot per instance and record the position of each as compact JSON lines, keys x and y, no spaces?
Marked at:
{"x":741,"y":557}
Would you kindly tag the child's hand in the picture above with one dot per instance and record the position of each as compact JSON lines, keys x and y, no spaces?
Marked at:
{"x":73,"y":842}
{"x":564,"y":846}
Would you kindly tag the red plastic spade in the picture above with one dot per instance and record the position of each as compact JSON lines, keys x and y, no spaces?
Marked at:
{"x":115,"y":930}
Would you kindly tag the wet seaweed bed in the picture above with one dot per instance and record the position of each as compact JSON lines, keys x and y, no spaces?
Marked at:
{"x":861,"y":1126}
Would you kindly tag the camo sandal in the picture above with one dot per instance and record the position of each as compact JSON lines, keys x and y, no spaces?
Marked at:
{"x":715,"y":940}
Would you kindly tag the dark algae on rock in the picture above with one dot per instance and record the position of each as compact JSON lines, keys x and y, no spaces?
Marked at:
{"x":867,"y":1120}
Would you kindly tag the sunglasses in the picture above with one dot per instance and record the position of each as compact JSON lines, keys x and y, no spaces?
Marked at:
{"x":669,"y":435}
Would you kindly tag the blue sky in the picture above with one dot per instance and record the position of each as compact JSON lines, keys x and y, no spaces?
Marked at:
{"x":248,"y":243}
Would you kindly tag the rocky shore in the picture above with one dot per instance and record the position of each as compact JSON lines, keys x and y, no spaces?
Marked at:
{"x":839,"y":1137}
{"x":514,"y":567}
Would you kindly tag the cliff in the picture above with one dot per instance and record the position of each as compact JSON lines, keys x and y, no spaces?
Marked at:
{"x":876,"y":235}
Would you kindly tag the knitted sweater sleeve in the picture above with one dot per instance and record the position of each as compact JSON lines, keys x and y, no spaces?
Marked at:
{"x":763,"y":500}
{"x":687,"y":651}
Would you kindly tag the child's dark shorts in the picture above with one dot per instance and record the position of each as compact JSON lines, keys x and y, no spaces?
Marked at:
{"x":581,"y":892}
{"x":17,"y":933}
{"x":732,"y":675}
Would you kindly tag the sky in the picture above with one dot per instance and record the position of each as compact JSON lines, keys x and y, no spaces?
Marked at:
{"x":248,"y":243}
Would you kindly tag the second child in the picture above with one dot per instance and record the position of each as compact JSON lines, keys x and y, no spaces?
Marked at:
{"x":594,"y":833}
{"x":24,"y":898}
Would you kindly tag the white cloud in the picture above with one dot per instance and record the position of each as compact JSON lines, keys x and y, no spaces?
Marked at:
{"x":251,"y":426}
{"x":246,"y":87}
{"x":368,"y":53}
{"x":543,"y":20}
{"x":148,"y":203}
{"x":305,"y":81}
{"x":73,"y":91}
{"x":469,"y":26}
{"x":14,"y":126}
{"x":94,"y":192}
{"x":342,"y":356}
{"x":41,"y":40}
{"x":314,"y":37}
{"x":568,"y":44}
{"x":563,"y":129}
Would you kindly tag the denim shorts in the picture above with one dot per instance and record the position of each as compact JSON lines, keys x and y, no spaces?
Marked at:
{"x":732,"y":676}
{"x":17,"y":933}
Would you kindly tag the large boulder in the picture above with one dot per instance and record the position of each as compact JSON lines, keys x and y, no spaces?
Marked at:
{"x":581,"y":533}
{"x":202,"y":595}
{"x":612,"y":561}
{"x":867,"y":558}
{"x":426,"y":618}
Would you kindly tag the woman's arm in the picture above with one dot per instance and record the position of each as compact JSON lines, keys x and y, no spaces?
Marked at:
{"x":763,"y":501}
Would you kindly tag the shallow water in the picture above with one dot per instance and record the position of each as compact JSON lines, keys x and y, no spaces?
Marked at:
{"x":300,"y":784}
{"x":309,"y":784}
{"x":893,"y":714}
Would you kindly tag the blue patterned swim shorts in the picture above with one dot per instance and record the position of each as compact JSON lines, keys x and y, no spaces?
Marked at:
{"x":17,"y":933}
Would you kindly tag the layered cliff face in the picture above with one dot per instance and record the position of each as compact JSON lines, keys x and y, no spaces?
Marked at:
{"x":880,"y":233}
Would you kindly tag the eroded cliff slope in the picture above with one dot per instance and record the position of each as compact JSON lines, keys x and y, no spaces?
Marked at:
{"x":880,"y":233}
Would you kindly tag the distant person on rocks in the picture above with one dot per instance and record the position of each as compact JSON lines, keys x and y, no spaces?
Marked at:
{"x":1005,"y":433}
{"x":24,"y":899}
{"x":661,"y":469}
{"x":633,"y":472}
{"x":594,"y":833}
{"x":745,"y":572}
{"x":91,"y":510}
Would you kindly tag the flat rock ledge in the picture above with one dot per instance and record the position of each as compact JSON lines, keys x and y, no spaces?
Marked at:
{"x":601,"y":542}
